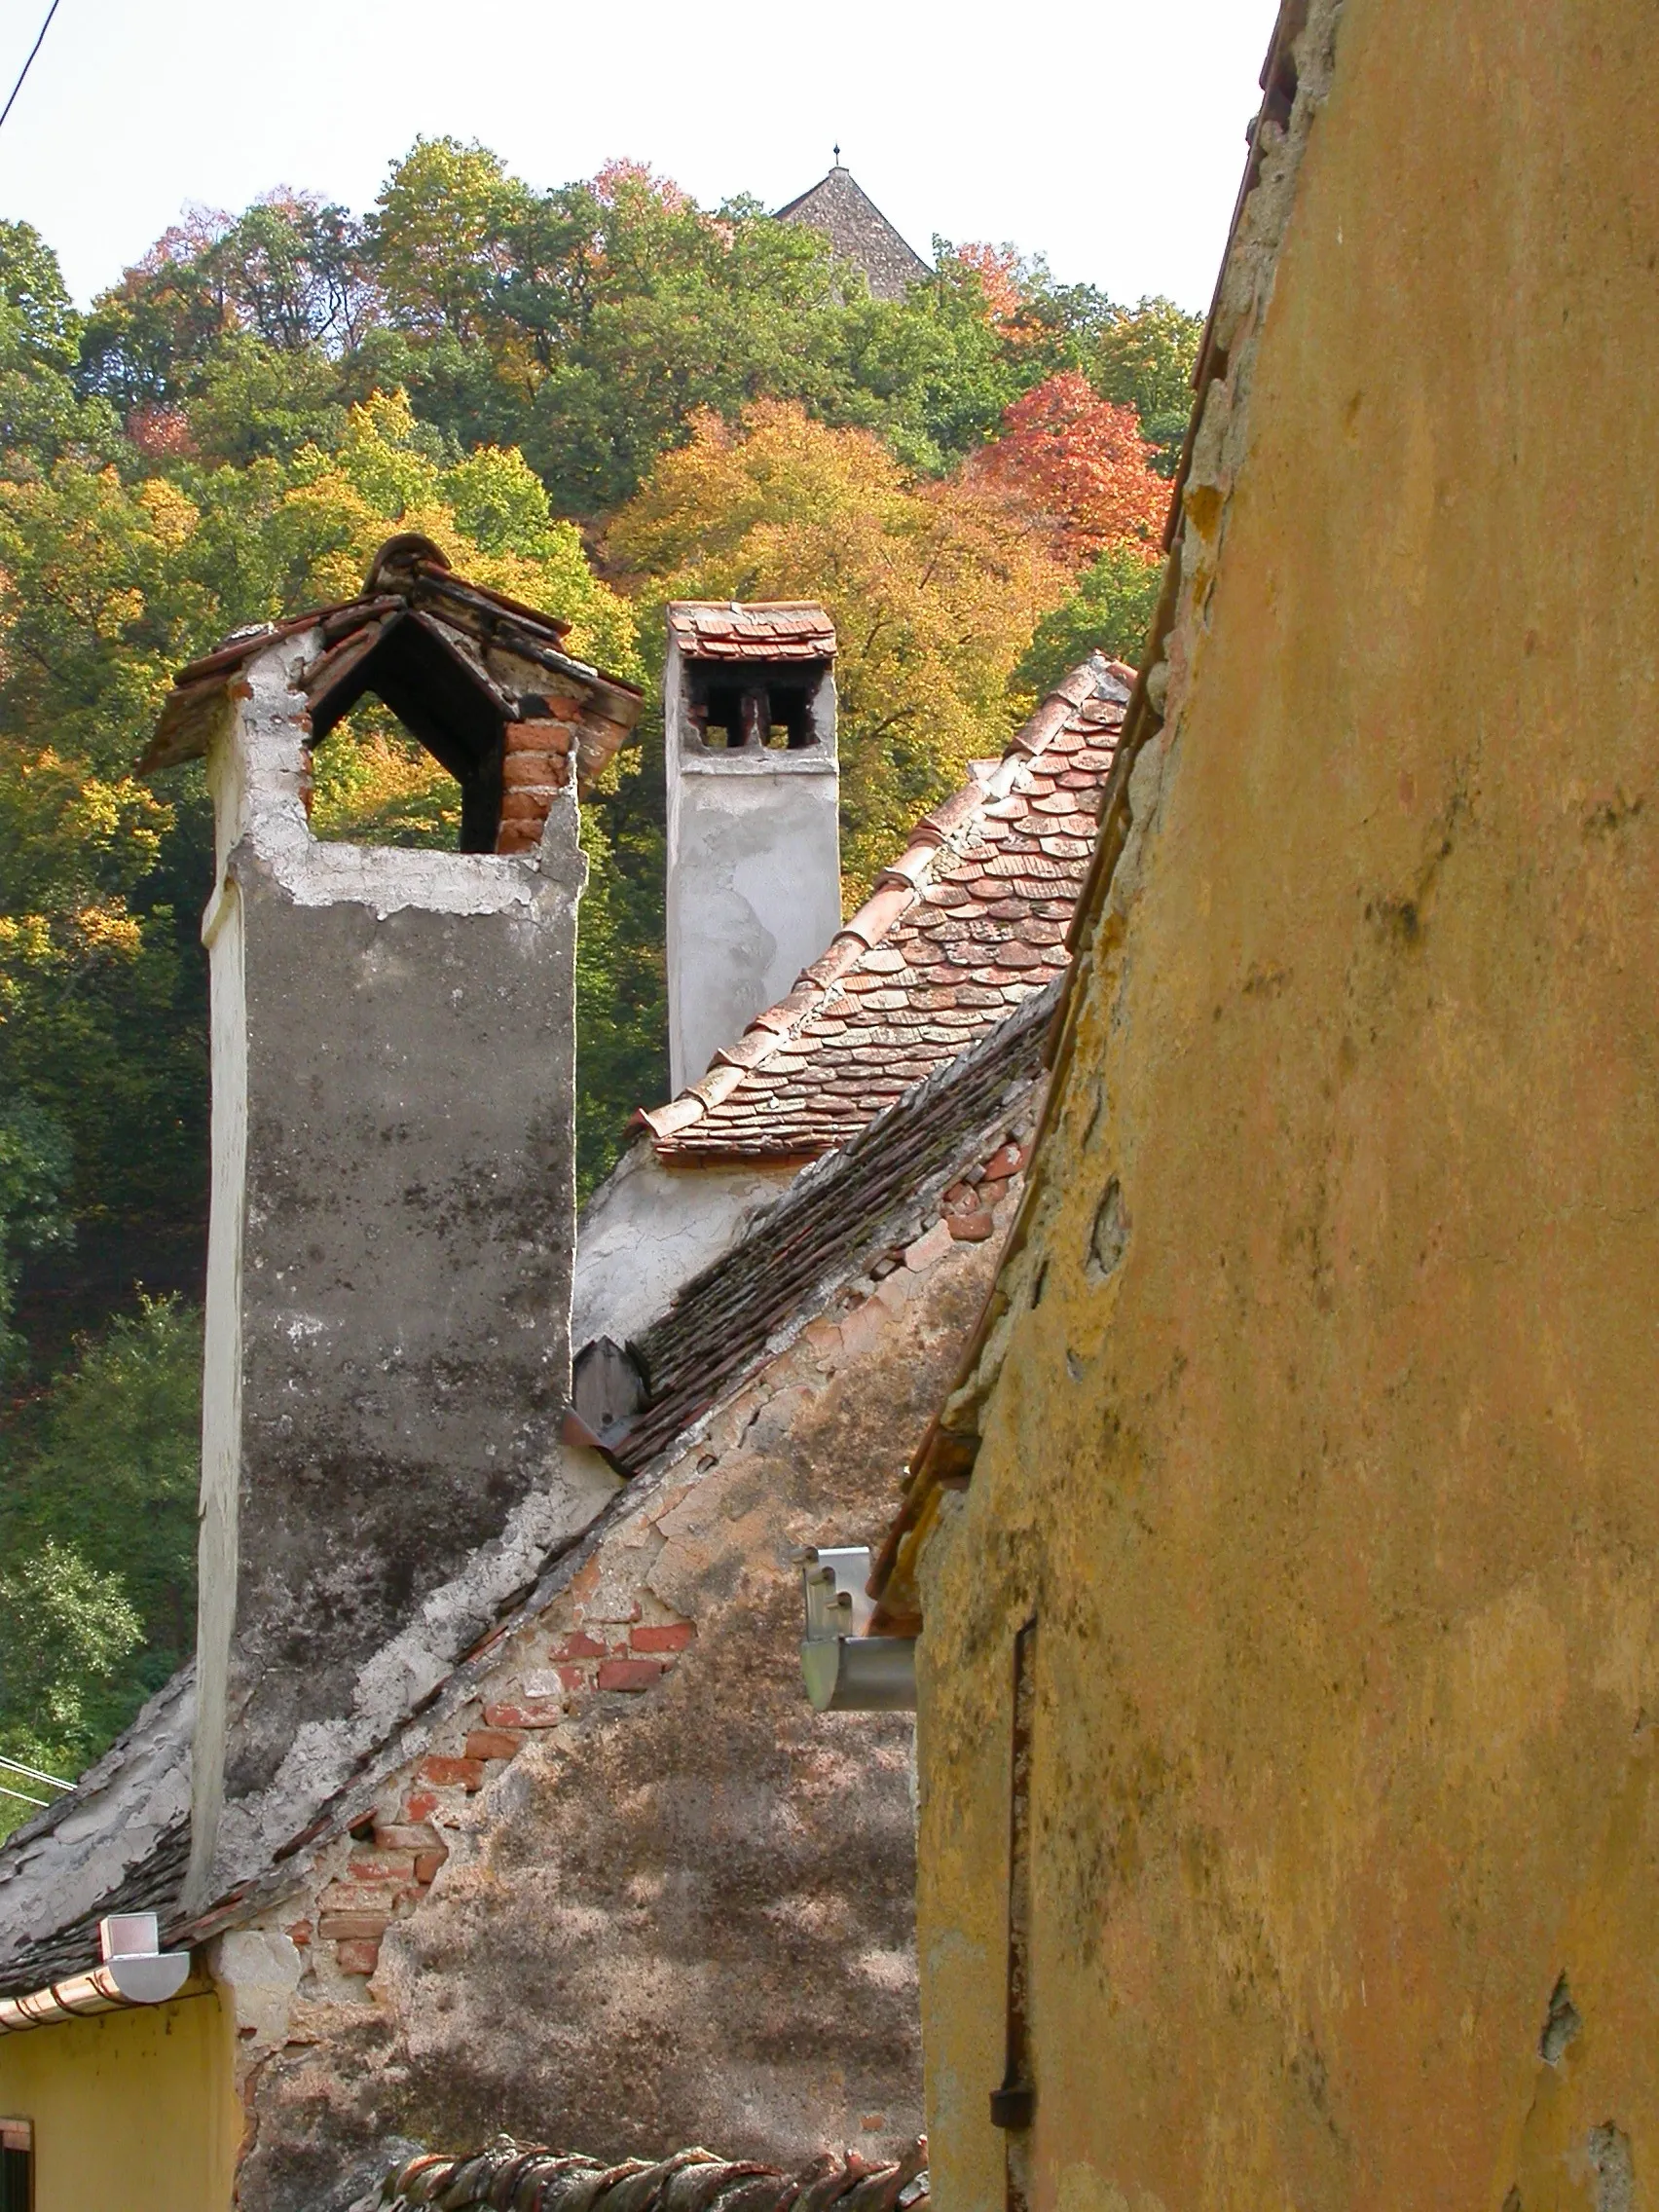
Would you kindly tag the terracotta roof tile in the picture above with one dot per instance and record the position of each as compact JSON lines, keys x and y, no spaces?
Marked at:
{"x":968,"y":921}
{"x":779,"y":629}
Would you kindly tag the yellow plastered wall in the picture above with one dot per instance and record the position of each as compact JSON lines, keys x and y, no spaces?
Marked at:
{"x":135,"y":2109}
{"x":1338,"y":1495}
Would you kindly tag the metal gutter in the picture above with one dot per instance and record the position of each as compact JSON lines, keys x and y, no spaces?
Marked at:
{"x":135,"y":1970}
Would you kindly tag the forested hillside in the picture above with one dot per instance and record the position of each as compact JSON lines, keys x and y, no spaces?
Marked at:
{"x":597,"y":397}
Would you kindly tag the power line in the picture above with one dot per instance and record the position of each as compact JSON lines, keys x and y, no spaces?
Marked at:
{"x":30,"y":63}
{"x":34,"y":1773}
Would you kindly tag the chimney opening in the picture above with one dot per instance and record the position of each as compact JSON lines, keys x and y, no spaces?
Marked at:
{"x":733,"y":711}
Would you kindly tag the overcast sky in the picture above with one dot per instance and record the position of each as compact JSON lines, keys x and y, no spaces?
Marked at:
{"x":1105,"y":133}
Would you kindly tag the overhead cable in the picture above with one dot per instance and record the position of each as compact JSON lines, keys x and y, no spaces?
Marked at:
{"x":40,"y":40}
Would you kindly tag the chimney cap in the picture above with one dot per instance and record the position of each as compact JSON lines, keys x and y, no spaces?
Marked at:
{"x":758,"y":630}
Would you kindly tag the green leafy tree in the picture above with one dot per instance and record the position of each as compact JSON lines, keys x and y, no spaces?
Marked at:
{"x":1144,"y":358}
{"x":68,"y":1629}
{"x":1108,"y":613}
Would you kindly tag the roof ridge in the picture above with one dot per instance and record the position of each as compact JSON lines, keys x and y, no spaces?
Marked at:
{"x":898,"y":889}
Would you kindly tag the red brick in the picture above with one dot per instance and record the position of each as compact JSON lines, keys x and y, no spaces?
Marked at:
{"x":299,"y":1933}
{"x":541,"y":736}
{"x":525,"y":806}
{"x":575,"y":1677}
{"x":528,"y":1713}
{"x":450,"y":1774}
{"x":409,"y":1838}
{"x":970,"y":1228}
{"x":380,"y":1865}
{"x":1008,"y":1159}
{"x":428,"y":1863}
{"x":361,"y":1956}
{"x":517,"y":837}
{"x":369,"y":1927}
{"x":358,"y":1897}
{"x":493,"y":1744}
{"x":419,"y":1805}
{"x":579,"y":1645}
{"x":675,"y":1636}
{"x":521,"y":769}
{"x":628,"y":1674}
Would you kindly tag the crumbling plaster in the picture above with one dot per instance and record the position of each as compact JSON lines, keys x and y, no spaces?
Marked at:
{"x":1325,"y":1465}
{"x":388,"y":1269}
{"x":621,"y":1887}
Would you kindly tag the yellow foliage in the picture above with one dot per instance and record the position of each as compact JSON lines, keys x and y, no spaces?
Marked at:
{"x":934,"y":589}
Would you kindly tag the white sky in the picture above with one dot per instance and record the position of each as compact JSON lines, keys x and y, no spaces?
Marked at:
{"x":1105,"y":133}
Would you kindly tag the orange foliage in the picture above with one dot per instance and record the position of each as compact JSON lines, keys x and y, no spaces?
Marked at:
{"x":1082,"y":465}
{"x":997,"y":271}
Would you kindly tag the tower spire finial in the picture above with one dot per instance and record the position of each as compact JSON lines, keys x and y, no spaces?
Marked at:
{"x":836,"y":151}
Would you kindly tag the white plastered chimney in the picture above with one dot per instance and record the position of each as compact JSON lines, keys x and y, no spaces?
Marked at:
{"x":754,"y":845}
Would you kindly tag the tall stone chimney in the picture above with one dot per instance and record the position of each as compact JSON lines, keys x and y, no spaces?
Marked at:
{"x":754,"y":845}
{"x":388,"y":1341}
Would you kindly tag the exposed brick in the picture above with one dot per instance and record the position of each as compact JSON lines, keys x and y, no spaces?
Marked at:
{"x":525,"y":806}
{"x":357,"y":1896}
{"x":493,"y":1744}
{"x":450,"y":1774}
{"x":1008,"y":1159}
{"x":517,"y":837}
{"x":427,"y":1865}
{"x":972,"y":1227}
{"x":579,"y":1645}
{"x":410,"y":1838}
{"x":550,"y":736}
{"x":575,"y":1677}
{"x":419,"y":1805}
{"x":380,"y":1865}
{"x":528,"y":1713}
{"x":361,"y":1956}
{"x":672,"y":1636}
{"x":540,"y":769}
{"x":349,"y":1927}
{"x":628,"y":1674}
{"x":561,"y":708}
{"x":299,"y":1933}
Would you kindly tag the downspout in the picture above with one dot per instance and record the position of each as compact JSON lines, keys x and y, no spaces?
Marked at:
{"x":135,"y":1970}
{"x":846,"y":1670}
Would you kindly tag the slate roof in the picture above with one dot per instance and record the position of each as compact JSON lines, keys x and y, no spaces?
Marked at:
{"x":469,"y":633}
{"x":153,"y":1885}
{"x":970,"y":921}
{"x":513,"y":2177}
{"x":764,"y":630}
{"x":858,"y":233}
{"x":726,"y":1321}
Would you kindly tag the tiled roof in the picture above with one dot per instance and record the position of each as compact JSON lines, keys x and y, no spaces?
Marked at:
{"x":858,"y":233}
{"x":967,"y":924}
{"x":512,"y":2177}
{"x":769,"y":630}
{"x":733,"y":1315}
{"x":409,"y":582}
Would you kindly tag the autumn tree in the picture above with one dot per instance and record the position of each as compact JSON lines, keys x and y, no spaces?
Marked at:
{"x":1081,"y":465}
{"x":935,"y":588}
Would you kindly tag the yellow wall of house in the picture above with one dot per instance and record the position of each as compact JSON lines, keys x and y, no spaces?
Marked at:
{"x":137,"y":2109}
{"x":1338,"y":1499}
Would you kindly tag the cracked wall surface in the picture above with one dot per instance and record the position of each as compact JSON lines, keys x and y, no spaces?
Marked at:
{"x":1332,"y":1493}
{"x":625,"y":1890}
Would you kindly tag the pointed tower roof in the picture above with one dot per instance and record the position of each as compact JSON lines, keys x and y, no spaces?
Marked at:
{"x":858,"y":231}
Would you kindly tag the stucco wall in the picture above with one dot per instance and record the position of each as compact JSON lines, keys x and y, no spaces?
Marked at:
{"x":132,"y":2109}
{"x":1328,"y":1471}
{"x":637,"y":1894}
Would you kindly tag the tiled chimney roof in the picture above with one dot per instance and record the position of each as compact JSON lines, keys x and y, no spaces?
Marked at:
{"x":763,"y":630}
{"x":509,"y":2176}
{"x":968,"y":923}
{"x":484,"y":638}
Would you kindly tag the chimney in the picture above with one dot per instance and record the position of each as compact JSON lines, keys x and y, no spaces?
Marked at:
{"x":387,"y":1357}
{"x":753,"y":845}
